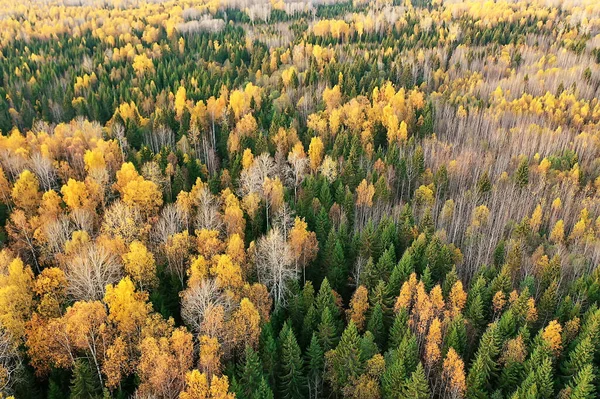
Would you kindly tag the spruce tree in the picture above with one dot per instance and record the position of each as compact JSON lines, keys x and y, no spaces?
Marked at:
{"x":345,"y":363}
{"x":292,"y":382}
{"x":84,"y":383}
{"x":484,"y":365}
{"x":263,"y":391}
{"x":416,"y":386}
{"x":327,"y":331}
{"x":393,"y":377}
{"x":314,"y":363}
{"x":251,"y":372}
{"x":399,"y":329}
{"x":401,"y":273}
{"x":376,"y":327}
{"x":583,"y":386}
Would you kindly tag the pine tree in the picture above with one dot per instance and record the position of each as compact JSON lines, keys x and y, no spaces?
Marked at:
{"x":291,"y":377}
{"x":268,"y":352}
{"x":337,"y":272}
{"x":327,"y":331}
{"x":583,"y":385}
{"x":84,"y":383}
{"x":401,"y":273}
{"x":399,"y":329}
{"x":579,"y":357}
{"x":456,"y":336}
{"x":251,"y":372}
{"x":315,"y":363}
{"x":484,"y":365}
{"x":427,"y":279}
{"x":376,"y":327}
{"x":416,"y":387}
{"x":393,"y":377}
{"x":522,"y":173}
{"x":264,"y":391}
{"x":368,"y":347}
{"x":345,"y":361}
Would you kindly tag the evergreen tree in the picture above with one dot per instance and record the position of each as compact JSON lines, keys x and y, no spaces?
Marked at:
{"x":401,"y":273}
{"x":399,"y":329}
{"x":315,"y":363}
{"x":583,"y":386}
{"x":522,"y":173}
{"x":416,"y":387}
{"x":264,"y":391}
{"x":393,"y":377}
{"x":376,"y":327}
{"x":291,"y":374}
{"x":84,"y":383}
{"x":327,"y":331}
{"x":345,"y":361}
{"x":484,"y":365}
{"x":251,"y":373}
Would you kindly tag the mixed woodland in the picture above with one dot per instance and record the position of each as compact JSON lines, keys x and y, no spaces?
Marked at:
{"x":261,"y":199}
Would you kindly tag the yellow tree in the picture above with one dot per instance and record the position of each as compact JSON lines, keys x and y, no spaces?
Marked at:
{"x":143,"y":194}
{"x":210,"y":356}
{"x":454,"y":374}
{"x":16,"y":295}
{"x":303,"y":243}
{"x":84,"y":325}
{"x":140,"y":265}
{"x":51,"y":288}
{"x":180,"y":102}
{"x":164,"y":363}
{"x":26,"y":192}
{"x":273,"y":193}
{"x":227,"y":273}
{"x":315,"y":153}
{"x":196,"y":387}
{"x":359,"y":305}
{"x":127,"y":308}
{"x":244,"y":326}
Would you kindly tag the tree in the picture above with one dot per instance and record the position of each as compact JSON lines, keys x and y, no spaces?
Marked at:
{"x":210,"y":355}
{"x":84,"y":383}
{"x":303,"y":244}
{"x":522,"y":173}
{"x":16,"y":298}
{"x":90,"y":271}
{"x":140,"y":265}
{"x":583,"y":385}
{"x":315,"y":364}
{"x":250,"y":374}
{"x":274,"y":264}
{"x":197,"y":387}
{"x":245,"y":325}
{"x":417,"y":387}
{"x":454,"y":374}
{"x":359,"y":305}
{"x":292,"y":379}
{"x":164,"y":363}
{"x":484,"y":363}
{"x":26,"y":192}
{"x":343,"y":364}
{"x":315,"y":153}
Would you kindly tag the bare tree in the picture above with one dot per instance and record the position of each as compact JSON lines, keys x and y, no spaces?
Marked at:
{"x":42,"y":167}
{"x":274,"y":264}
{"x":198,"y":299}
{"x":169,"y":223}
{"x":90,"y":271}
{"x":208,"y":216}
{"x":10,"y":361}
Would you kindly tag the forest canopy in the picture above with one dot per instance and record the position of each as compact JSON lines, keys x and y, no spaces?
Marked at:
{"x":260,"y":199}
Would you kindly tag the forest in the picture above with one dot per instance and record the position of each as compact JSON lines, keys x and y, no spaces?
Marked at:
{"x":288,"y":199}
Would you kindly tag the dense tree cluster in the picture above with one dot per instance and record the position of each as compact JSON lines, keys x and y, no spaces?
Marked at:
{"x":209,"y":199}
